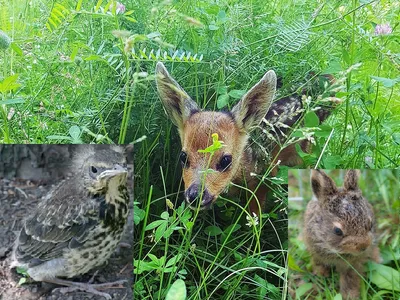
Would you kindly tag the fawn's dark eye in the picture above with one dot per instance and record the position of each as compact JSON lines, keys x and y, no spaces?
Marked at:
{"x":224,"y":163}
{"x":338,"y":231}
{"x":93,"y":169}
{"x":184,"y":159}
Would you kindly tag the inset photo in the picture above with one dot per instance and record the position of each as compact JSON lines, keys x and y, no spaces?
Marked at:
{"x":344,"y":234}
{"x":66,"y":226}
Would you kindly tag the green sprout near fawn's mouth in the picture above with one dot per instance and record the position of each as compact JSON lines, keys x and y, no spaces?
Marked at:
{"x":216,"y":145}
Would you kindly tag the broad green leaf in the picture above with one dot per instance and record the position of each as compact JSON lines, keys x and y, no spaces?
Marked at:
{"x":293,"y":265}
{"x":331,"y":162}
{"x":222,"y":101}
{"x":384,"y":277}
{"x":222,"y":90}
{"x":221,"y":16}
{"x":311,"y":119}
{"x":21,"y":281}
{"x":9,"y":84}
{"x":75,"y":132}
{"x":338,"y":297}
{"x":21,"y":270}
{"x":334,"y":67}
{"x":325,"y":131}
{"x":165,"y":215}
{"x":396,"y":137}
{"x":302,"y":289}
{"x":138,"y":215}
{"x":154,"y":258}
{"x":154,"y":224}
{"x":237,"y":94}
{"x":17,"y":49}
{"x":177,"y":291}
{"x":172,"y":261}
{"x":213,"y":230}
{"x":141,"y":266}
{"x":160,"y":231}
{"x":153,"y":35}
{"x":387,"y":82}
{"x":262,"y":287}
{"x":213,"y":27}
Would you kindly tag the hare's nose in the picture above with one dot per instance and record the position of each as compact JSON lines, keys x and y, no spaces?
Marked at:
{"x":362,"y":246}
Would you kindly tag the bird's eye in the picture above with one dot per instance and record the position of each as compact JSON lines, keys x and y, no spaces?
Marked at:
{"x":338,"y":231}
{"x":184,"y":159}
{"x":93,"y":169}
{"x":224,"y":163}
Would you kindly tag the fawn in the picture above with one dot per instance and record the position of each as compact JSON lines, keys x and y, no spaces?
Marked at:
{"x":238,"y":159}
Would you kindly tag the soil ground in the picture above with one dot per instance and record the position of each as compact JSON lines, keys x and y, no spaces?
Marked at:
{"x":17,"y":199}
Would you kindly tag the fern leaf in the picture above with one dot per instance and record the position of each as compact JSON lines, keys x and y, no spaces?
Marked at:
{"x":293,"y":37}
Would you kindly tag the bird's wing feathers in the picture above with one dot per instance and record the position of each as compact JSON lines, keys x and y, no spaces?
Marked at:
{"x":56,"y":225}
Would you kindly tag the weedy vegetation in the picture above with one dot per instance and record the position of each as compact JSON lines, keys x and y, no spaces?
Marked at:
{"x":381,"y":280}
{"x":79,"y":71}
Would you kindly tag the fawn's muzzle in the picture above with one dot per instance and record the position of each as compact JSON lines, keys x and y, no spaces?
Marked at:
{"x":194,"y":194}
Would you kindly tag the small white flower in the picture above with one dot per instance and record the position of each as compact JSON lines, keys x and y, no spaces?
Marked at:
{"x":252,"y":221}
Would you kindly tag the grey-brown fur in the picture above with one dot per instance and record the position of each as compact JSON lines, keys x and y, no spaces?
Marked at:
{"x":344,"y":208}
{"x":80,"y":222}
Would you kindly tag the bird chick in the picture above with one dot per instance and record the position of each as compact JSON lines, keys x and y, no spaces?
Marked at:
{"x":80,"y":222}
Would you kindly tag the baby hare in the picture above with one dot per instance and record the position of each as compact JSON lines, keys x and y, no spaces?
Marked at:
{"x":340,"y":230}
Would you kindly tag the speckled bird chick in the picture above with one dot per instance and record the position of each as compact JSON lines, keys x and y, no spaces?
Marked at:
{"x":80,"y":222}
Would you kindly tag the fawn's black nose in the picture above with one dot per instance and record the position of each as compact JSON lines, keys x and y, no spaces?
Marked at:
{"x":191,"y":193}
{"x":194,"y":194}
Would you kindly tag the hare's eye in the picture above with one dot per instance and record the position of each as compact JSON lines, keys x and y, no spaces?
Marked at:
{"x":371,"y":226}
{"x":338,"y":231}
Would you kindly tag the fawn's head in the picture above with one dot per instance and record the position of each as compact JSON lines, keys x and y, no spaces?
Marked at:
{"x":207,"y":175}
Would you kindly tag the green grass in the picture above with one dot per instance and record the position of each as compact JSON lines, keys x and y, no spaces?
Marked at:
{"x":380,"y":188}
{"x":78,"y":72}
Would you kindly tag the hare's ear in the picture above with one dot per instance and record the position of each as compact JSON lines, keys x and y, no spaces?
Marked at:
{"x":351,"y":180}
{"x":322,"y":185}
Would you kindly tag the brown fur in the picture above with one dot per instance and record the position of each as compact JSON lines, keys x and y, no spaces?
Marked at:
{"x":346,"y":209}
{"x":233,"y":128}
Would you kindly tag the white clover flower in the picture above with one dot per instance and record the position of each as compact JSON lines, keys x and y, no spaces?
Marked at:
{"x":252,"y":221}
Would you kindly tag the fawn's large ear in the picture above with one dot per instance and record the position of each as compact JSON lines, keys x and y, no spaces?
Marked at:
{"x":322,"y":185}
{"x":254,"y":105}
{"x":351,"y":180}
{"x":177,"y":103}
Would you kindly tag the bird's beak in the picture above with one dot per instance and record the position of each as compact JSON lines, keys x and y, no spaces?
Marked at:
{"x":116,"y":172}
